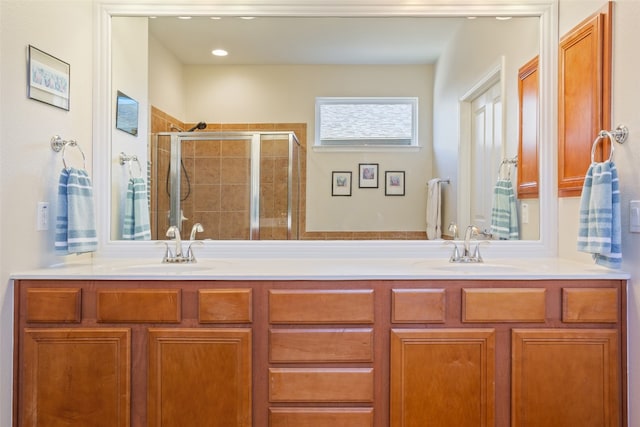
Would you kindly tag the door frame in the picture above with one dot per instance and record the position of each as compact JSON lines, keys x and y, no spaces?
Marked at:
{"x":494,"y":75}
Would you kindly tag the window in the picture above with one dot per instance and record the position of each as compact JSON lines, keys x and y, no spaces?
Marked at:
{"x":366,"y":121}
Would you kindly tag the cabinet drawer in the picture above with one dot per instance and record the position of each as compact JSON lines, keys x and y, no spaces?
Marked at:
{"x":321,"y":385}
{"x":503,"y":305}
{"x":586,"y":305}
{"x":321,"y":417}
{"x":417,"y":305}
{"x":321,"y":345}
{"x":224,"y":305}
{"x":54,"y":305}
{"x":321,"y":306}
{"x":139,"y":306}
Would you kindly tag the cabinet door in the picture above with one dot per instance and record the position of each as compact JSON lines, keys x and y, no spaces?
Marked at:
{"x":528,"y":140}
{"x":76,"y":377}
{"x":199,"y":377}
{"x":565,"y":378}
{"x":584,"y":91}
{"x":443,"y":377}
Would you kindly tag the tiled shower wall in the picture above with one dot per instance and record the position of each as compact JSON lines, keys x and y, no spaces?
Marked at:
{"x":215,"y":182}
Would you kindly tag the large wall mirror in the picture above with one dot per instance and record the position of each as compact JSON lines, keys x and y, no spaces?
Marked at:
{"x":454,"y":60}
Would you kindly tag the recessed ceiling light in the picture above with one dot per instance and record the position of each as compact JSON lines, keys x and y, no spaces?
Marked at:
{"x":471,"y":17}
{"x":248,"y":18}
{"x":503,"y":18}
{"x":184,"y":17}
{"x":219,"y":52}
{"x":215,"y":17}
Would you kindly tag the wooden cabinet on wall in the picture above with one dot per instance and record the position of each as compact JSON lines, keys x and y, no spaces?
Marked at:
{"x":353,"y":353}
{"x":584,"y":91}
{"x":528,"y":96}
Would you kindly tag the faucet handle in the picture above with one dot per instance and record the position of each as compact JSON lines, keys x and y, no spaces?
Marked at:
{"x":167,"y":252}
{"x":197,"y":228}
{"x":453,"y":227}
{"x":476,"y":252}
{"x":190,"y":256}
{"x":455,"y":256}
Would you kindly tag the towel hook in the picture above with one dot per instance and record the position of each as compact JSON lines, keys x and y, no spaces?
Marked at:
{"x":58,"y":144}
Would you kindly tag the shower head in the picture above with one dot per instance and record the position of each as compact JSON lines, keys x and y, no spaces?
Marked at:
{"x":200,"y":125}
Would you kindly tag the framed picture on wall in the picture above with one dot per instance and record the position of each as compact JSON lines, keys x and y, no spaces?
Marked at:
{"x":127,"y":114}
{"x":48,"y":79}
{"x":341,"y":183}
{"x":394,"y":183}
{"x":368,"y":175}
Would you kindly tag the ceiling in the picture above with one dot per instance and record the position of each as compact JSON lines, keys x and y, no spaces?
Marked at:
{"x":306,"y":40}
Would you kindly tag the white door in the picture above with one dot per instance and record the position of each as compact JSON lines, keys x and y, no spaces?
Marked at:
{"x":486,"y":150}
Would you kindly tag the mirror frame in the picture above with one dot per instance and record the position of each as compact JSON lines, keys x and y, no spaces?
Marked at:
{"x":546,"y":10}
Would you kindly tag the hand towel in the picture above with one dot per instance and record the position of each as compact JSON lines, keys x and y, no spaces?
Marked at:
{"x":434,"y":228}
{"x":504,"y":213}
{"x":75,"y":219}
{"x":599,"y":229}
{"x":136,"y":225}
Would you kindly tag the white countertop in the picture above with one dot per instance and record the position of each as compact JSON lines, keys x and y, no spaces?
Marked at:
{"x":323,"y":269}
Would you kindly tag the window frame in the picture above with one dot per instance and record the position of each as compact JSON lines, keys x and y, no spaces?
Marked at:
{"x":362,"y":142}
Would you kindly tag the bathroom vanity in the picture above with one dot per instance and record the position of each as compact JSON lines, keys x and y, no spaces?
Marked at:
{"x":116,"y":347}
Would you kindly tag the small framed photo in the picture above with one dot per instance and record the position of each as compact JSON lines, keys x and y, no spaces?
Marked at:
{"x":394,"y":183}
{"x":127,"y":114}
{"x":368,"y":175}
{"x":48,"y":79}
{"x":341,"y":183}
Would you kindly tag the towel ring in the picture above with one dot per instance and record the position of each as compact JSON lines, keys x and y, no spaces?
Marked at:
{"x":124,"y":158}
{"x":73,"y":143}
{"x":58,"y":144}
{"x":603,"y":134}
{"x":618,"y":135}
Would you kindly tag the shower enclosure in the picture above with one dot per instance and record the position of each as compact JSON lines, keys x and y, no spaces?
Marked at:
{"x":238,"y":185}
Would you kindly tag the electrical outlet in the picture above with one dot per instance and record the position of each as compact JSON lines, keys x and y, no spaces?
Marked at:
{"x":42,"y":216}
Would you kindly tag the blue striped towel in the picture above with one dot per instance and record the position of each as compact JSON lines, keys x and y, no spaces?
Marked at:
{"x":504,"y":213}
{"x":75,"y":219}
{"x":136,"y":225}
{"x":599,"y":230}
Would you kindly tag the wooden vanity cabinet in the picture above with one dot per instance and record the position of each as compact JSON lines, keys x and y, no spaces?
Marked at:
{"x":132,"y":353}
{"x":353,"y":353}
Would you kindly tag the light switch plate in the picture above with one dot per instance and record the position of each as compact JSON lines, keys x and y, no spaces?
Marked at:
{"x":42,"y":216}
{"x":525,"y":213}
{"x":634,"y":216}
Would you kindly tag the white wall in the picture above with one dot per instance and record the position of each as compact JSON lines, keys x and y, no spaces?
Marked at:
{"x":29,"y":169}
{"x":472,"y":54}
{"x":286,"y":93}
{"x":129,"y":75}
{"x":166,"y":80}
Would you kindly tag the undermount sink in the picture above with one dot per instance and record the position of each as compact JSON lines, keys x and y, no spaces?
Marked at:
{"x":158,"y":267}
{"x":470,"y":267}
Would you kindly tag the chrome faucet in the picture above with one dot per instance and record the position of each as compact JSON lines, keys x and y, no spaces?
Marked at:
{"x":467,"y":254}
{"x":177,"y":256}
{"x":173,"y":232}
{"x":471,"y":231}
